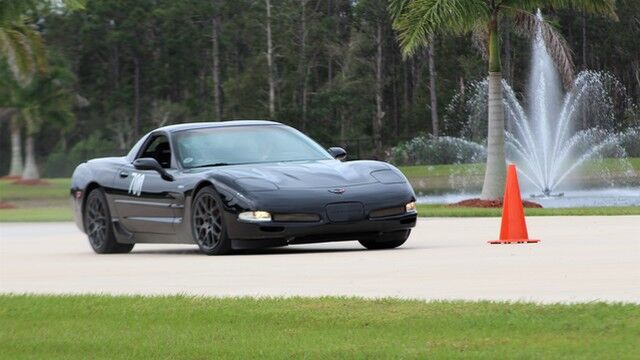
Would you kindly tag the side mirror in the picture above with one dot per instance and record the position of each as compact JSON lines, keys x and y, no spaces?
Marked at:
{"x":152,"y":164}
{"x":338,"y":153}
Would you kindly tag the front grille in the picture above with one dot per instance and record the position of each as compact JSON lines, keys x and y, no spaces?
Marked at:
{"x":398,"y":210}
{"x":345,"y":212}
{"x":296,"y":217}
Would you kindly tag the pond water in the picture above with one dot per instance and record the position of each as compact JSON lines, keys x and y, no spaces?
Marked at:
{"x":627,"y":196}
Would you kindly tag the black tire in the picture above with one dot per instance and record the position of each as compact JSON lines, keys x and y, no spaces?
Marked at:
{"x":386,"y":240}
{"x":98,"y":225}
{"x":207,"y":223}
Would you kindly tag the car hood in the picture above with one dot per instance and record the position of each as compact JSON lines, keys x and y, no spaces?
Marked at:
{"x":307,"y":174}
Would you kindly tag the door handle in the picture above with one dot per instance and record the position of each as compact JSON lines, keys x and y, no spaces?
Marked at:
{"x":124,"y":174}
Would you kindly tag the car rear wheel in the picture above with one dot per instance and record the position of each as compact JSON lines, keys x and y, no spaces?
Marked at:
{"x":98,"y":226}
{"x":388,"y":240}
{"x":207,"y":224}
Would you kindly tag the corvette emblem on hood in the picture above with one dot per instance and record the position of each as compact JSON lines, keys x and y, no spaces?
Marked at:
{"x":338,"y":191}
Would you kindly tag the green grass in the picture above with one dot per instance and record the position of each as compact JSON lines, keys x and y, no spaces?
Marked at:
{"x":55,"y":190}
{"x":441,"y":170}
{"x":596,"y":166}
{"x":105,"y":327}
{"x":614,"y":165}
{"x":50,"y":202}
{"x":65,"y":213}
{"x":36,"y":214}
{"x":36,"y":202}
{"x":59,"y":188}
{"x":450,"y":211}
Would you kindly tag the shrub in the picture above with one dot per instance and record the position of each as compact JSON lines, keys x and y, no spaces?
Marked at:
{"x":428,"y":150}
{"x":61,"y":163}
{"x":630,"y":141}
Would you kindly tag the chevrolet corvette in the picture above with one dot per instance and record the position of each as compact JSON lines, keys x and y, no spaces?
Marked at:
{"x":239,"y":185}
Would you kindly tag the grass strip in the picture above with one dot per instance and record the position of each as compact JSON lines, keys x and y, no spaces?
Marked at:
{"x":425,"y":210}
{"x":106,"y":327}
{"x":50,"y":214}
{"x":36,"y":214}
{"x":56,"y":189}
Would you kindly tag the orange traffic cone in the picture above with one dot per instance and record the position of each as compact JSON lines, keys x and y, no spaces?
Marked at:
{"x":514,"y":227}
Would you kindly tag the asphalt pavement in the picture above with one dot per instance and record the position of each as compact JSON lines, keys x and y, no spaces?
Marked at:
{"x":580,"y":259}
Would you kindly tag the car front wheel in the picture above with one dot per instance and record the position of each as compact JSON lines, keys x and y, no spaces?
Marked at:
{"x":207,"y":224}
{"x":98,"y":226}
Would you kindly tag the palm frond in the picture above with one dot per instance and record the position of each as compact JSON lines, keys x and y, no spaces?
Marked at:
{"x":14,"y":46}
{"x":75,"y":4}
{"x":396,"y":8}
{"x":416,"y":20}
{"x":36,"y":45}
{"x":526,"y":23}
{"x":20,"y":42}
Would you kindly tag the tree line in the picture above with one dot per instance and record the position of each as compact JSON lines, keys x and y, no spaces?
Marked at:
{"x":332,"y":68}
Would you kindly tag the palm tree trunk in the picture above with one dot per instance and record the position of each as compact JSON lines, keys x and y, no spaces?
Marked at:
{"x":16,"y":149}
{"x":30,"y":168}
{"x":495,"y":173}
{"x":508,"y":69}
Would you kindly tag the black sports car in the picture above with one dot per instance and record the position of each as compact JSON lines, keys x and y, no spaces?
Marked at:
{"x":238,"y":185}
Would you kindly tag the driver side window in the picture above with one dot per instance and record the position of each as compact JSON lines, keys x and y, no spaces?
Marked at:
{"x":159,"y":149}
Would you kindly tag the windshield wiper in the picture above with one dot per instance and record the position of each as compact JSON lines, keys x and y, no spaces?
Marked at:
{"x":210,"y":165}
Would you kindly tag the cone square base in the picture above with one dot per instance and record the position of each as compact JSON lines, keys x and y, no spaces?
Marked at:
{"x":513,"y":241}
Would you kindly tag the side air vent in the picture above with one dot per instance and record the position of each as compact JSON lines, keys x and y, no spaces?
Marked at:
{"x":398,"y":210}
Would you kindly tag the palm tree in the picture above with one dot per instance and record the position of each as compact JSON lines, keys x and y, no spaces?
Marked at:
{"x":47,"y":98}
{"x":416,"y":20}
{"x":8,"y":113}
{"x":23,"y":51}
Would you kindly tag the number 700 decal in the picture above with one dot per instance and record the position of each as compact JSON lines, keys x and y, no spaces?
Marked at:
{"x":135,"y":188}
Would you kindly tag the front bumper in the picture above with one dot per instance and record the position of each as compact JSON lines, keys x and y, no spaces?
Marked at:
{"x":268,"y":234}
{"x":331,"y":226}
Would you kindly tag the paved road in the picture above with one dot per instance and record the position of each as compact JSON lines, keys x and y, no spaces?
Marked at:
{"x":580,"y":259}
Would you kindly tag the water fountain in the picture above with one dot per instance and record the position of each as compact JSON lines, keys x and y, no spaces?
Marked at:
{"x":543,"y":141}
{"x":554,"y":135}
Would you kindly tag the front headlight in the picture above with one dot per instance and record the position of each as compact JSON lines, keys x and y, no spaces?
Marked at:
{"x":254,"y":216}
{"x":410,"y":207}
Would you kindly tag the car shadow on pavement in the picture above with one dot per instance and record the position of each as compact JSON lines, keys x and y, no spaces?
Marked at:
{"x":268,"y":251}
{"x":294,"y":250}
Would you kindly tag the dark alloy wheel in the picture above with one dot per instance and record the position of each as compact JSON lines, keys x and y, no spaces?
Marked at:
{"x":97,"y":225}
{"x":388,"y":240}
{"x":207,"y":223}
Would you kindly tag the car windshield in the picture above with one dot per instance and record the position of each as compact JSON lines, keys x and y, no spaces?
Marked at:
{"x":245,"y":144}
